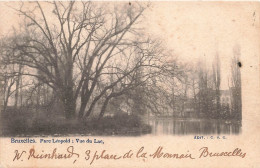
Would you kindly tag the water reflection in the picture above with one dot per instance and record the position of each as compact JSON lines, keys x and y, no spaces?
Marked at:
{"x":168,"y":126}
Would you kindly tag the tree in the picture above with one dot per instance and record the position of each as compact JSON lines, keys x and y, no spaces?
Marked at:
{"x":18,"y":83}
{"x":8,"y":83}
{"x":194,"y":82}
{"x":205,"y":94}
{"x":236,"y":83}
{"x":216,"y":82}
{"x":73,"y":48}
{"x":8,"y":78}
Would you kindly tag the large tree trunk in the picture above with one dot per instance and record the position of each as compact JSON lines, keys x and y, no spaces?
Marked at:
{"x":91,"y":108}
{"x":69,"y":99}
{"x":69,"y":108}
{"x":82,"y":108}
{"x":17,"y":86}
{"x":21,"y":93}
{"x":6,"y":98}
{"x":17,"y":92}
{"x":5,"y":105}
{"x":85,"y":96}
{"x":103,"y":109}
{"x":69,"y":103}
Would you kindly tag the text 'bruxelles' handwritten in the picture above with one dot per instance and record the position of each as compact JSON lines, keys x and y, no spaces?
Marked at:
{"x":93,"y":156}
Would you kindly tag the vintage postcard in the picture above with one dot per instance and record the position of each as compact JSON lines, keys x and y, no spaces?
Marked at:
{"x":129,"y":84}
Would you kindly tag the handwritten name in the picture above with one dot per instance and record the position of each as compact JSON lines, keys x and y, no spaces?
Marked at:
{"x":141,"y":153}
{"x":33,"y":154}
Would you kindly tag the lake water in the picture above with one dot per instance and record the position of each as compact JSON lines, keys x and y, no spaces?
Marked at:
{"x":169,"y":126}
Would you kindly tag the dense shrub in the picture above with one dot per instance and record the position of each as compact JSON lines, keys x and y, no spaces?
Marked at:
{"x":119,"y":121}
{"x":23,"y":122}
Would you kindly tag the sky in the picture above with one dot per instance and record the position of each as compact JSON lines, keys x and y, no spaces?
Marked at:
{"x":198,"y":30}
{"x":193,"y":30}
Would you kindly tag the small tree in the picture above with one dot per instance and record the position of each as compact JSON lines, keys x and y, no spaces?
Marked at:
{"x":216,"y":82}
{"x":236,"y":83}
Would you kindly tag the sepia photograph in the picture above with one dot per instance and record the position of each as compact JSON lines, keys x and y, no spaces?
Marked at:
{"x":83,"y":68}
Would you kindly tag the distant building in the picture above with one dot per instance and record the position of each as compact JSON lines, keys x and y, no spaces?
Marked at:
{"x":189,"y":108}
{"x":225,"y":98}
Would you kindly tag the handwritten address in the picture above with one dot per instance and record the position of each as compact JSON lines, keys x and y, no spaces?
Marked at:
{"x":93,"y":156}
